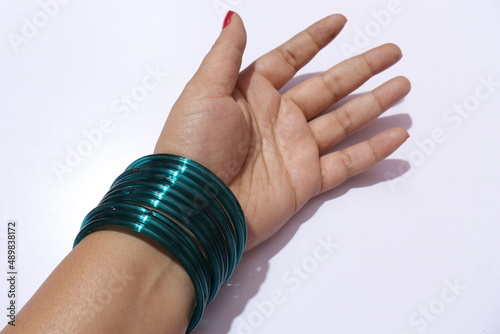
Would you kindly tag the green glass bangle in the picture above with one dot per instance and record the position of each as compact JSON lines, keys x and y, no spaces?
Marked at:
{"x":196,"y":195}
{"x":195,"y":221}
{"x":181,"y":199}
{"x":185,"y":208}
{"x":173,"y":219}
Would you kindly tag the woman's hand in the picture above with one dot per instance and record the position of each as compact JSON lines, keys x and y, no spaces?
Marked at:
{"x":268,"y":147}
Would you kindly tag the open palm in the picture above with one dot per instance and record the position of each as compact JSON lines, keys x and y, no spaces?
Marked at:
{"x":270,"y":147}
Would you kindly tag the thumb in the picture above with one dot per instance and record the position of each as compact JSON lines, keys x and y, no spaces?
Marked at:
{"x":220,"y":68}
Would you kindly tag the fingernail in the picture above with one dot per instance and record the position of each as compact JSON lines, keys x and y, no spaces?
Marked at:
{"x":227,"y":19}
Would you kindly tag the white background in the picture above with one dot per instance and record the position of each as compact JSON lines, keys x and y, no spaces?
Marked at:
{"x":404,"y":232}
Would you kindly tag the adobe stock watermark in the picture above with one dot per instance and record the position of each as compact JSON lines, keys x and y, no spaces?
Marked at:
{"x":364,"y":35}
{"x":120,"y":109}
{"x":435,"y":308}
{"x":453,"y":118}
{"x":12,"y":273}
{"x":30,"y":27}
{"x":292,"y":280}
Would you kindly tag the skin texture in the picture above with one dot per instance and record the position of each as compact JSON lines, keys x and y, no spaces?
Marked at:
{"x":271,"y":149}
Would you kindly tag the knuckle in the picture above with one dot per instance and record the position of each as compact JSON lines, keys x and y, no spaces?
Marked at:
{"x":333,"y":84}
{"x":289,"y":57}
{"x":345,"y":121}
{"x":347,"y":163}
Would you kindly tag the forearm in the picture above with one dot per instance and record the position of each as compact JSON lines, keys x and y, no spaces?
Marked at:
{"x":112,"y":282}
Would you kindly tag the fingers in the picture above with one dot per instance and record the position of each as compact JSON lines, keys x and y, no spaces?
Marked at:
{"x":339,"y":166}
{"x":282,"y":63}
{"x":320,"y":92}
{"x":220,"y":69}
{"x":330,"y":129}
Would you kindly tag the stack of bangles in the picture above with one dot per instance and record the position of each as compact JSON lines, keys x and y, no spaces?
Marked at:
{"x":185,"y":208}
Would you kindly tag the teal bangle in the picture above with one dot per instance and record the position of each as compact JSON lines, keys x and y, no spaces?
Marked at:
{"x":185,"y":208}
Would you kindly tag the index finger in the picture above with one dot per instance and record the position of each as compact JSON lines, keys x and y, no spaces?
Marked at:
{"x":281,"y":64}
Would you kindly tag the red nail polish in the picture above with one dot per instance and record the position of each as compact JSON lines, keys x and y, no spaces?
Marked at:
{"x":227,"y":20}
